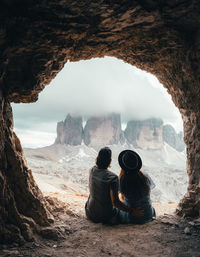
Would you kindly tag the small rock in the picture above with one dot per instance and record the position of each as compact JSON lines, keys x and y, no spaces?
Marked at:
{"x":187,"y":231}
{"x":27,"y":232}
{"x":55,"y":246}
{"x":50,"y":233}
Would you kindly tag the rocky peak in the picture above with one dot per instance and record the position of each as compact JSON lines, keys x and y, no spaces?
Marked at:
{"x":70,"y":131}
{"x":146,"y":134}
{"x":172,"y":138}
{"x":104,"y":130}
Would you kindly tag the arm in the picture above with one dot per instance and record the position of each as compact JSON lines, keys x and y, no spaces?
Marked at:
{"x":121,"y":197}
{"x":117,"y":203}
{"x":137,"y":212}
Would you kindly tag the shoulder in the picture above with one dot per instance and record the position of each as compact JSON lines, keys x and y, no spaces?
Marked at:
{"x":93,"y":170}
{"x":112,"y":176}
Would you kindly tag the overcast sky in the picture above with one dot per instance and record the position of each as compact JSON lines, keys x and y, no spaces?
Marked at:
{"x":95,"y":87}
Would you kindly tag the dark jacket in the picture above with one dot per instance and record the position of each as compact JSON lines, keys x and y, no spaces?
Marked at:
{"x":99,"y":206}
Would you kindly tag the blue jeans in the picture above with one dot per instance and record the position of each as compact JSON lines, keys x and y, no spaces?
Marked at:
{"x":145,"y":204}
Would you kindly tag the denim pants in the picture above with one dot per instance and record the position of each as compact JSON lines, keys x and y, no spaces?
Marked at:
{"x":144,"y":204}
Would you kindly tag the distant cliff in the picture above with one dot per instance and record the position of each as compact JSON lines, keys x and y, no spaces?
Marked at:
{"x":172,"y":138}
{"x":146,"y":134}
{"x":70,"y":131}
{"x":106,"y":130}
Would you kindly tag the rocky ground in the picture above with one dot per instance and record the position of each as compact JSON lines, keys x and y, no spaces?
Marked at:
{"x":74,"y":235}
{"x":62,"y":175}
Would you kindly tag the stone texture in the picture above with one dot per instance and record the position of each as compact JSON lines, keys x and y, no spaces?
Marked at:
{"x":190,"y":205}
{"x":38,"y":37}
{"x":106,"y":130}
{"x":146,"y":134}
{"x":101,"y":131}
{"x":172,"y":138}
{"x":51,"y":233}
{"x":70,"y":132}
{"x":22,"y":206}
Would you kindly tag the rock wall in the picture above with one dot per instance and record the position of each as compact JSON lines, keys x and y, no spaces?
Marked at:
{"x":38,"y":37}
{"x":100,"y":131}
{"x":106,"y":130}
{"x":172,"y":138}
{"x":22,"y":206}
{"x":190,"y":205}
{"x":145,"y":134}
{"x":70,"y":132}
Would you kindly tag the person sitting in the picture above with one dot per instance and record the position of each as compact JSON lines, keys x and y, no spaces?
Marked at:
{"x":135,"y":188}
{"x":103,"y":203}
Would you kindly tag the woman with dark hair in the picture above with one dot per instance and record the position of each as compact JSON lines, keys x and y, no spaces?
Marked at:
{"x":103,"y":203}
{"x":134,"y":188}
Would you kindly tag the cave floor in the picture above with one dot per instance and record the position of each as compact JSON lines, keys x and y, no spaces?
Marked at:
{"x":73,"y":235}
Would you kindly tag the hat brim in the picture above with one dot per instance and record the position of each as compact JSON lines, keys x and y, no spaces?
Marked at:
{"x":121,"y":164}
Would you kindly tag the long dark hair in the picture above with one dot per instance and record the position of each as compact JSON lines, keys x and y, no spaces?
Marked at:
{"x":135,"y":185}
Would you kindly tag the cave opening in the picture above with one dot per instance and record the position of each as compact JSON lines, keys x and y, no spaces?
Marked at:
{"x":160,"y":37}
{"x":96,"y":103}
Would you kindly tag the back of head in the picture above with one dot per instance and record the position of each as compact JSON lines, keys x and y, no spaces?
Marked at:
{"x":132,"y":181}
{"x":104,"y":158}
{"x":130,"y":161}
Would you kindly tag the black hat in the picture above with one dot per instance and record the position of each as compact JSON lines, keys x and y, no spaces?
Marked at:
{"x":130,"y":161}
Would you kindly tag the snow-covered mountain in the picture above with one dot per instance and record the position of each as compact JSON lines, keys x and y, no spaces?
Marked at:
{"x":65,"y":168}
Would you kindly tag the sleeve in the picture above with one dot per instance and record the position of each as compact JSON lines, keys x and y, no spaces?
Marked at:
{"x":151,"y":183}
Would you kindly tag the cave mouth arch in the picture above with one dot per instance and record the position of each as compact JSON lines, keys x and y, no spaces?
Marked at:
{"x":146,"y":99}
{"x":159,"y":37}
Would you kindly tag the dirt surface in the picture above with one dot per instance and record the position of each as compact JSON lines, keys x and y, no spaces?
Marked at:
{"x":75,"y":203}
{"x":74,"y":235}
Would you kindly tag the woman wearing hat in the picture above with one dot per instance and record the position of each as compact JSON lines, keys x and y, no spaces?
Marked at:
{"x":103,"y":203}
{"x":134,"y":188}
